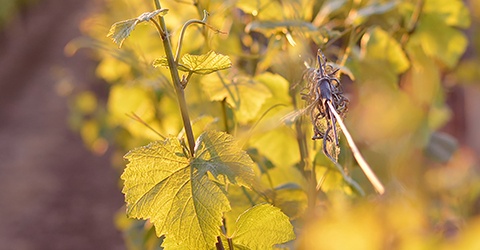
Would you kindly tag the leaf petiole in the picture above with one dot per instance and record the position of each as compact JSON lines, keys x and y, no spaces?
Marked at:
{"x":184,"y":28}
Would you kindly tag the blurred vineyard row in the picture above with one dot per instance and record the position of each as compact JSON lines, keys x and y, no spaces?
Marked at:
{"x":398,"y":59}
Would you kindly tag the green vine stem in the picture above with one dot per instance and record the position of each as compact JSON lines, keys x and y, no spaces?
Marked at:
{"x":182,"y":33}
{"x":177,"y":83}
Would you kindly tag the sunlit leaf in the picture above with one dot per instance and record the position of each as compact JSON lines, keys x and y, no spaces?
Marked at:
{"x":219,"y":154}
{"x":263,"y":163}
{"x":160,"y":62}
{"x":279,"y":145}
{"x":119,"y":31}
{"x":205,"y":64}
{"x":383,"y":47}
{"x":241,"y":199}
{"x":174,"y":191}
{"x":439,"y":40}
{"x":261,"y":227}
{"x":125,"y":100}
{"x":245,"y":95}
{"x":372,"y":71}
{"x":422,"y":82}
{"x":291,"y":199}
{"x":453,"y":12}
{"x":356,"y":228}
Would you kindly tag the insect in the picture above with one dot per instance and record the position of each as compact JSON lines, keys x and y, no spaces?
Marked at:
{"x":323,"y":87}
{"x":326,"y":106}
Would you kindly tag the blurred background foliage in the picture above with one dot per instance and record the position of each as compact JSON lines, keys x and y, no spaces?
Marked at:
{"x":9,"y":9}
{"x":398,"y":60}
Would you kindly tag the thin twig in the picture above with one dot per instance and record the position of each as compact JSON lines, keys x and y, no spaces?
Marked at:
{"x":140,"y":120}
{"x":356,"y":153}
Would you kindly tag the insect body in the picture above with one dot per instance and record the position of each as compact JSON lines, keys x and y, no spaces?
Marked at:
{"x":323,"y":88}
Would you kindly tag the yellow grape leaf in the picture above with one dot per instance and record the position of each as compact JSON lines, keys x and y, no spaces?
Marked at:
{"x":439,"y":40}
{"x":279,"y":145}
{"x":174,"y":191}
{"x":383,"y":47}
{"x":199,"y":64}
{"x":453,"y":12}
{"x":261,"y":227}
{"x":160,"y":62}
{"x":219,"y":154}
{"x":119,"y":31}
{"x":205,"y":64}
{"x":245,"y":95}
{"x":291,"y":199}
{"x":124,"y":100}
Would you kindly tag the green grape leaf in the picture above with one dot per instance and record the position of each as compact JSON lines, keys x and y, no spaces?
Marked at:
{"x":199,"y":64}
{"x":125,"y":100}
{"x":184,"y":205}
{"x":439,"y":40}
{"x":160,"y":62}
{"x":245,"y":95}
{"x":453,"y":12}
{"x":219,"y":154}
{"x":291,"y":199}
{"x":261,"y":227}
{"x":174,"y":191}
{"x":119,"y":31}
{"x":204,"y":64}
{"x":278,"y":145}
{"x":383,"y":47}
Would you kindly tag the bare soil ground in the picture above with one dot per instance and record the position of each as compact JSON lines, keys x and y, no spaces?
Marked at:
{"x":54,"y":194}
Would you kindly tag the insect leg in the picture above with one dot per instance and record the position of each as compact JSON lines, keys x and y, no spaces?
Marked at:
{"x":325,"y":137}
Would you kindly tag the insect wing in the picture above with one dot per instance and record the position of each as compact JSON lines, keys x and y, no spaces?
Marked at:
{"x":293,"y":116}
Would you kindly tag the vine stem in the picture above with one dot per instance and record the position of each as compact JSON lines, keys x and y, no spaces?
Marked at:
{"x":177,"y":83}
{"x":308,"y":171}
{"x":356,"y":153}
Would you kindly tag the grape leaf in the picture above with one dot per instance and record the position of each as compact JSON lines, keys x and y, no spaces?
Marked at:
{"x":199,"y":64}
{"x":245,"y":95}
{"x":174,"y":191}
{"x":261,"y":227}
{"x":135,"y":99}
{"x":119,"y":31}
{"x":160,"y":62}
{"x":279,"y":145}
{"x":291,"y":199}
{"x":219,"y":154}
{"x":454,"y":12}
{"x":439,"y":40}
{"x":383,"y":47}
